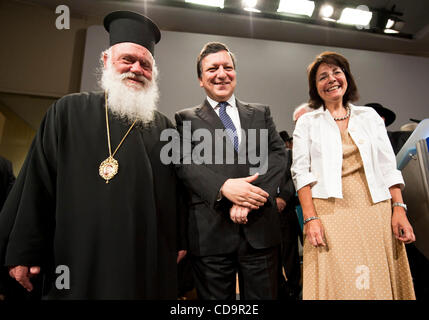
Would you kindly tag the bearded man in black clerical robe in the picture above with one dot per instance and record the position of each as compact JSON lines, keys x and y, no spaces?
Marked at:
{"x":94,"y":212}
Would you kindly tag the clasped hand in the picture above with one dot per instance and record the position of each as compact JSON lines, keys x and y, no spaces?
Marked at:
{"x":238,"y":214}
{"x":241,"y":192}
{"x":244,"y":196}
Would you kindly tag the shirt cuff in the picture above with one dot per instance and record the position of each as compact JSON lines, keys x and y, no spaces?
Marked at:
{"x":303,"y":180}
{"x":395,"y":178}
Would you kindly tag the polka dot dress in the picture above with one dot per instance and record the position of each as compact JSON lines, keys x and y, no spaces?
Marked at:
{"x":362,"y":259}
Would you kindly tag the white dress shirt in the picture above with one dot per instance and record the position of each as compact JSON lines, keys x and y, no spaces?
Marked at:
{"x":317,"y":153}
{"x":231,"y":110}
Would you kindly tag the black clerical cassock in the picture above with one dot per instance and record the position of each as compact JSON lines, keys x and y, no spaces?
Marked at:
{"x":117,"y":239}
{"x":92,"y":239}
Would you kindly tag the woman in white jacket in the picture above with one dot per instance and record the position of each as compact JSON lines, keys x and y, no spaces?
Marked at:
{"x":344,"y":169}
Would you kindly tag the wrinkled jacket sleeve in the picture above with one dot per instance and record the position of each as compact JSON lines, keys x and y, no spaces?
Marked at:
{"x":197,"y":177}
{"x":301,"y":165}
{"x":386,"y":157}
{"x":276,"y":160}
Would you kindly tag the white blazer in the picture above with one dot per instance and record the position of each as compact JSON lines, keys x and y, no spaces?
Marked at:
{"x":317,"y":153}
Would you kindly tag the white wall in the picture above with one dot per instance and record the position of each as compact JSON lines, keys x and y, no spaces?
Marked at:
{"x":274,"y":73}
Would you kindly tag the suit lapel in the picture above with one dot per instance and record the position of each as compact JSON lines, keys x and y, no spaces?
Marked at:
{"x":207,"y":113}
{"x":246,"y":116}
{"x":245,"y":113}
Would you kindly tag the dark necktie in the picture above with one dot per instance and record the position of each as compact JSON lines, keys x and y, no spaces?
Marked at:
{"x":227,"y":122}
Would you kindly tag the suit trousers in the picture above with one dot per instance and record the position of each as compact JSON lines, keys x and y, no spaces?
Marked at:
{"x":257,"y":269}
{"x":289,"y":257}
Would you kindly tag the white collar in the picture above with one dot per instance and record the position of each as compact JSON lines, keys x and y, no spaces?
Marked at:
{"x":214,"y":104}
{"x":321,"y":109}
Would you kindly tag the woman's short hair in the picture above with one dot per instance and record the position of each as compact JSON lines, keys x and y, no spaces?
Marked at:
{"x":338,"y":60}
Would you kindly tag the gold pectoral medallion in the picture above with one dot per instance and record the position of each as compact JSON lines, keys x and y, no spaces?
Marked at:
{"x":108,"y":169}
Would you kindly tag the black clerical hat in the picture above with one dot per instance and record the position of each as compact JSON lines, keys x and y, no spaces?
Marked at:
{"x":127,"y":26}
{"x":388,"y":115}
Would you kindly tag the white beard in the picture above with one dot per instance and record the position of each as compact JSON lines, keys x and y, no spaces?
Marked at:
{"x":130,"y":102}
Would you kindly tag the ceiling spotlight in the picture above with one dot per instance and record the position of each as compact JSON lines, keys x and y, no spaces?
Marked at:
{"x":210,"y":3}
{"x":249,"y":5}
{"x":300,"y":7}
{"x":355,"y":17}
{"x":252,"y":9}
{"x":395,"y":24}
{"x":390,"y":31}
{"x":326,"y":11}
{"x":329,"y":19}
{"x":390,"y":23}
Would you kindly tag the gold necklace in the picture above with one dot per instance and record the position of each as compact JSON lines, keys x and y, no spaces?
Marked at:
{"x":109,"y":167}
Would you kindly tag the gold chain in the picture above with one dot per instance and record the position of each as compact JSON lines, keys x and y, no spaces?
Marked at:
{"x":108,"y":130}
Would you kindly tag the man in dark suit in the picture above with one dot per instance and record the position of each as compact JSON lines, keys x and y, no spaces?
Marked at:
{"x":233,"y":224}
{"x":289,"y":254}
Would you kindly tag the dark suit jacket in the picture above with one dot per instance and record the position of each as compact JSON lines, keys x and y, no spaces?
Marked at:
{"x":287,"y":193}
{"x":210,"y":229}
{"x":286,"y":188}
